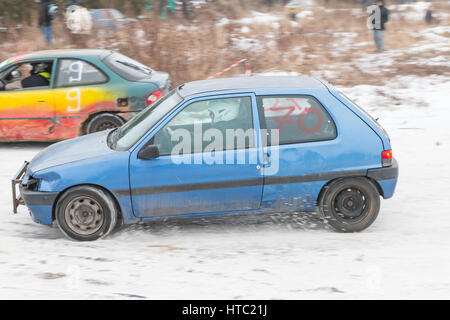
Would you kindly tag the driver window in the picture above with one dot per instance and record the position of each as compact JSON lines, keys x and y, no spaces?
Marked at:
{"x":218,"y":114}
{"x":29,"y":75}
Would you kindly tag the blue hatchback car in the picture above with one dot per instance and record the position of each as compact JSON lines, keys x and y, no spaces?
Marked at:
{"x":240,"y":145}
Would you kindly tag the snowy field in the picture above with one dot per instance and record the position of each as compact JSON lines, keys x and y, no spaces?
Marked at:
{"x":405,"y":254}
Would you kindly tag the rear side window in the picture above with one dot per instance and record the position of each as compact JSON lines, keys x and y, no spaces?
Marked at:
{"x":298,"y":118}
{"x":74,"y":72}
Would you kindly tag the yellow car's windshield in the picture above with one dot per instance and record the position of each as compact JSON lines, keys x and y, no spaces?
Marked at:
{"x":3,"y":64}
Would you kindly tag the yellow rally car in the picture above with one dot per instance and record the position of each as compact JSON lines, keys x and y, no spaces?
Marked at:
{"x":62,"y":94}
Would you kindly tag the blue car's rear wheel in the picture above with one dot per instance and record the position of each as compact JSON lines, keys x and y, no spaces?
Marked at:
{"x":350,"y":205}
{"x":86,"y":213}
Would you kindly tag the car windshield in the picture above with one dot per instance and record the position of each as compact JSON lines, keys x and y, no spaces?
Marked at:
{"x":116,"y":14}
{"x":132,"y":131}
{"x":3,"y":64}
{"x":127,"y":68}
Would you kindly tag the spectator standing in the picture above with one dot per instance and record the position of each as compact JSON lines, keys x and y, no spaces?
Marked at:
{"x":429,"y":19}
{"x":185,"y":9}
{"x":45,"y":21}
{"x":380,"y":18}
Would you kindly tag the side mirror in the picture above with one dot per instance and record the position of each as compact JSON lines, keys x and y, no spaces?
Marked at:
{"x":149,"y":152}
{"x":2,"y":85}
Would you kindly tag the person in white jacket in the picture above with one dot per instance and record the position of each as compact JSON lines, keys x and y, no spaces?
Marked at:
{"x":79,"y":19}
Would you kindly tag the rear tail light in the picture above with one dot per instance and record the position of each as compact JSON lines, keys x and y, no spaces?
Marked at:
{"x":387,"y":158}
{"x":154,"y":96}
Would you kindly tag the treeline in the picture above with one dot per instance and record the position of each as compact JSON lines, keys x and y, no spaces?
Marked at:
{"x":24,"y":11}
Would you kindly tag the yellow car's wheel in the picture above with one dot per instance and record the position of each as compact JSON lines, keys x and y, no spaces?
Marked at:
{"x":104,"y":121}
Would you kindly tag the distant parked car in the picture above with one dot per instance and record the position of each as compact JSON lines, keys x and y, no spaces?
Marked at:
{"x":192,"y":5}
{"x":294,"y":7}
{"x":325,"y":154}
{"x":62,"y":94}
{"x":110,"y":19}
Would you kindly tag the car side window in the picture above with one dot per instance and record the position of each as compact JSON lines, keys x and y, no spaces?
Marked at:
{"x":298,"y":118}
{"x":215,"y":118}
{"x":74,"y":72}
{"x":28,"y":75}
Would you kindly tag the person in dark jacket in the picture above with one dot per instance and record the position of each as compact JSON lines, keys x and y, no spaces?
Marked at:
{"x":45,"y":21}
{"x":429,"y":18}
{"x":40,"y":76}
{"x":380,"y":18}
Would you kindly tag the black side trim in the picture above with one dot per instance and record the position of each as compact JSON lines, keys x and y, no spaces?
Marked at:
{"x":54,"y":119}
{"x":239,"y":183}
{"x":194,"y":187}
{"x":314,"y":177}
{"x":33,"y":198}
{"x":122,"y":193}
{"x":388,"y":173}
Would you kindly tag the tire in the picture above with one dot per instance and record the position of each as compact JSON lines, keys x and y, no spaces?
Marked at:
{"x":86,"y":213}
{"x":103,"y":121}
{"x":350,"y":205}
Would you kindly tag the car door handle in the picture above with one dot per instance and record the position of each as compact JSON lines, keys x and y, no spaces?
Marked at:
{"x":41,"y":101}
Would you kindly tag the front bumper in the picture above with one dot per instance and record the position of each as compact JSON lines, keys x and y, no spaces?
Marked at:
{"x":26,"y":196}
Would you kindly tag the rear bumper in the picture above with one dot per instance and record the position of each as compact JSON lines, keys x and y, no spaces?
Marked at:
{"x":387,"y":173}
{"x":387,"y":178}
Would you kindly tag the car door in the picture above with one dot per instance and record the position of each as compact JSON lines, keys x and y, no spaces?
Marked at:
{"x":199,"y":170}
{"x":81,"y":89}
{"x":302,"y":149}
{"x":27,"y":114}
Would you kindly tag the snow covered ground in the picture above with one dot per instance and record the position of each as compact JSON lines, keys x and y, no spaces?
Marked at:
{"x":404,"y":255}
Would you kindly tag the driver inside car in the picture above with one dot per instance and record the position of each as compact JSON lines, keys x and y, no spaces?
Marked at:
{"x":40,"y":76}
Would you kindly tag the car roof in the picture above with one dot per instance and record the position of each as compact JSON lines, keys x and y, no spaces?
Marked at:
{"x":251,"y":83}
{"x":62,"y":53}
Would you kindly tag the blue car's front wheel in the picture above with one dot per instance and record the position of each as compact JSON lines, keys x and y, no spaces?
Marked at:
{"x":86,"y":213}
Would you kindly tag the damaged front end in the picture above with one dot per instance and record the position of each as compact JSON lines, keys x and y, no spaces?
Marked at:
{"x":18,"y":180}
{"x":25,"y":192}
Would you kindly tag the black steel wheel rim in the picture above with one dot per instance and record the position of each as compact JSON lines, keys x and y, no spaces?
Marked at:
{"x":351,"y":204}
{"x":84,"y":215}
